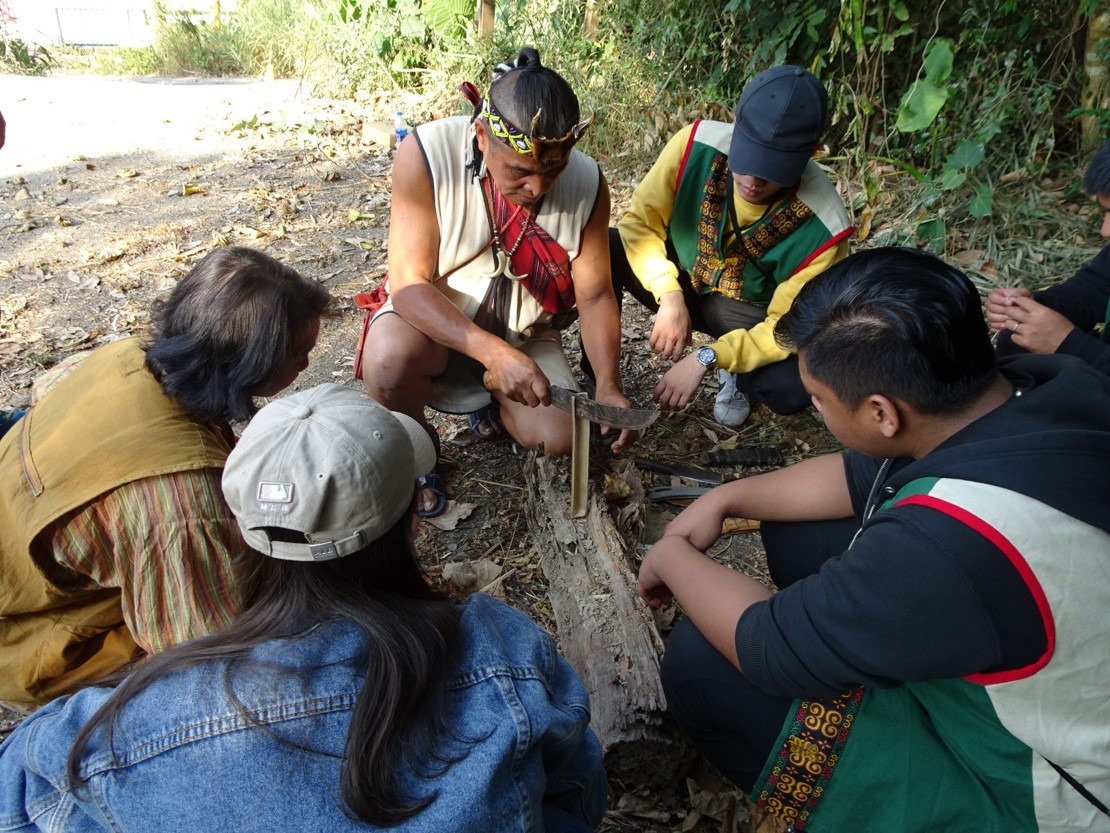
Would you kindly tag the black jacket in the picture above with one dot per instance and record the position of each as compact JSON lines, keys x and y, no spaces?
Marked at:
{"x":920,"y":595}
{"x":1084,"y":299}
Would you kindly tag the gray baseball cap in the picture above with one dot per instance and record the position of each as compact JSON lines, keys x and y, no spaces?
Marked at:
{"x":779,"y":119}
{"x":328,"y":463}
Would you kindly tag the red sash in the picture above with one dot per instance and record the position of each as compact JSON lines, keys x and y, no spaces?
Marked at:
{"x":544,"y":264}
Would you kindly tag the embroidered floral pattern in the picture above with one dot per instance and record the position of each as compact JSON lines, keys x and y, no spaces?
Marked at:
{"x":805,"y":763}
{"x":723,"y":273}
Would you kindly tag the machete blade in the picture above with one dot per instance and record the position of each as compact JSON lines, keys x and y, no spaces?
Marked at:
{"x":611,"y":415}
{"x":689,"y":472}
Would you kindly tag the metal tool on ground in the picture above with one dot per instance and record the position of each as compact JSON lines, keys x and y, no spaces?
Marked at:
{"x":700,"y":475}
{"x":676,"y":494}
{"x":584,"y":410}
{"x":685,"y":495}
{"x":752,"y":455}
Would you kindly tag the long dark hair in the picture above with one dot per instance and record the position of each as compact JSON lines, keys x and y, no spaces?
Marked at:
{"x":411,"y":633}
{"x":227,"y":328}
{"x":894,"y":321}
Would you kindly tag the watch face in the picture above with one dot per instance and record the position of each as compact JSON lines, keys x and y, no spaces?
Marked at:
{"x":707,"y":356}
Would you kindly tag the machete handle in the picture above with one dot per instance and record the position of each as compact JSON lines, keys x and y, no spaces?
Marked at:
{"x":746,"y":456}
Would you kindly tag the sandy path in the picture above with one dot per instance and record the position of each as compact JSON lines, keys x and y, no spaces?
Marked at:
{"x":52,"y":120}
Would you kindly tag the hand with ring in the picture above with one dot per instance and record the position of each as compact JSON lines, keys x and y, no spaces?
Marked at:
{"x":1035,"y":327}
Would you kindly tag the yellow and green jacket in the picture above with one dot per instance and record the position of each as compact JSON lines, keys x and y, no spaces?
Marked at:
{"x":683,"y":202}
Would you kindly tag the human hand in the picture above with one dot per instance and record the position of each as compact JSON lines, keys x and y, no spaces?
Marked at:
{"x":670,"y":335}
{"x":627,"y":436}
{"x":1034,"y":326}
{"x":649,"y":584}
{"x":680,"y":383}
{"x":999,"y":303}
{"x":700,"y":523}
{"x":517,"y":377}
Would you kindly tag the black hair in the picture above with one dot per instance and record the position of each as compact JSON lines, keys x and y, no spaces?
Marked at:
{"x":897,"y":322}
{"x":522,"y":88}
{"x":227,"y":328}
{"x":1096,"y":180}
{"x":411,"y":632}
{"x":528,"y":88}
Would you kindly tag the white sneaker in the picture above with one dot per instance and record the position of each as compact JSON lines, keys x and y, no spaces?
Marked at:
{"x":731,"y":407}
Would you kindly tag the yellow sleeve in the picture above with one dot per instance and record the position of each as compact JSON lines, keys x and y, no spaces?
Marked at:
{"x":742,"y":351}
{"x":643,"y":228}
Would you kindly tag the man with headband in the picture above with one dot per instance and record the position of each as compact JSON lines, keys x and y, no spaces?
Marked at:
{"x":498,"y":234}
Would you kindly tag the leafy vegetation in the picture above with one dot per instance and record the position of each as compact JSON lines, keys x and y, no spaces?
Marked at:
{"x":22,"y":58}
{"x":945,"y":111}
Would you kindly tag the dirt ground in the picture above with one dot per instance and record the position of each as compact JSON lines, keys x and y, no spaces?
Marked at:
{"x":110,"y":190}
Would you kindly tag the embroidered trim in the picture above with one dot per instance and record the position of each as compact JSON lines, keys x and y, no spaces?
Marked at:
{"x":809,"y":755}
{"x":504,"y":130}
{"x":538,"y":147}
{"x":725,"y":274}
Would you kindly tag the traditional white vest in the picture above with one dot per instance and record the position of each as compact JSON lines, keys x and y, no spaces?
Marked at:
{"x":465,"y":256}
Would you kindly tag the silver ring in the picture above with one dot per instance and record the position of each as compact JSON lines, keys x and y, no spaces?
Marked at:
{"x":1016,"y":325}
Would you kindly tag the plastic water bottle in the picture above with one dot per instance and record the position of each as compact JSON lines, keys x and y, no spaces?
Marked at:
{"x":400,"y":127}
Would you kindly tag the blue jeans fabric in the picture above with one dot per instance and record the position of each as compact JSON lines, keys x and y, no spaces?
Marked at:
{"x":8,"y":419}
{"x":183,"y":757}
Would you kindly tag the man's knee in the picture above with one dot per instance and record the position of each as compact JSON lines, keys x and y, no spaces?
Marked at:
{"x":555,"y":442}
{"x":533,"y":427}
{"x":687,"y":656}
{"x":395,"y":351}
{"x":797,"y":549}
{"x":777,"y":385}
{"x":399,"y":362}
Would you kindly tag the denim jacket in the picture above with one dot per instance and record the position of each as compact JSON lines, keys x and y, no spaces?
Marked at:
{"x":185,"y":759}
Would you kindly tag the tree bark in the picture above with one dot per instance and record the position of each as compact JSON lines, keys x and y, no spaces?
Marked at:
{"x":605,"y":630}
{"x":486,"y":9}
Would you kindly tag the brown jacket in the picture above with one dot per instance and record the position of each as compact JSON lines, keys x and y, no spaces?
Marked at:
{"x":106,"y":424}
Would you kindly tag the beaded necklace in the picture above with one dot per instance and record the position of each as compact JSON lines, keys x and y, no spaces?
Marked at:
{"x":502,"y":253}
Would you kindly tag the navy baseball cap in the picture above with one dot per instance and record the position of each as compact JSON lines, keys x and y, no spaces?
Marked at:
{"x":779,"y":119}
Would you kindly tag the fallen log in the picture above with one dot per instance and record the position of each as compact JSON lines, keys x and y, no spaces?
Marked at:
{"x":605,"y":630}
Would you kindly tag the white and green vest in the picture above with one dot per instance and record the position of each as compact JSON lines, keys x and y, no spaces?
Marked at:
{"x":973,"y":754}
{"x":808,"y":221}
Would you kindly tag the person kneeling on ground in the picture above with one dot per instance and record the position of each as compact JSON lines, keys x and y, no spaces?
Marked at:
{"x":940,"y":638}
{"x":725,"y":229}
{"x":115,"y":540}
{"x":1060,"y":319}
{"x":497,"y":236}
{"x":348,"y":695}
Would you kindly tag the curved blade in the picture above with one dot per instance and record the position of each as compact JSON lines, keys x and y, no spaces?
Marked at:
{"x":594,"y":411}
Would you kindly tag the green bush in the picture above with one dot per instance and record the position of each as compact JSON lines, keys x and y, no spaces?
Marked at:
{"x":22,"y":58}
{"x":953,"y":100}
{"x":277,"y":37}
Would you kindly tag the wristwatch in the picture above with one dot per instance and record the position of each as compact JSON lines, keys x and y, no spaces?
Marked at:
{"x":707,"y":357}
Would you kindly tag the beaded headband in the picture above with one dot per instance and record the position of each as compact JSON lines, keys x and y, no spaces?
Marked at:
{"x":539,"y":148}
